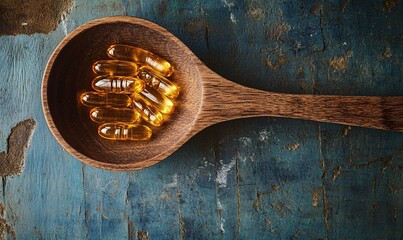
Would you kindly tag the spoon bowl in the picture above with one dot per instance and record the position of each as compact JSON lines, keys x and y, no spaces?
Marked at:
{"x":205,"y":97}
{"x":68,"y":74}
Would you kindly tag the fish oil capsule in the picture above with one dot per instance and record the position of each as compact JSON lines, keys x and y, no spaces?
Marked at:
{"x":148,"y":112}
{"x":158,"y":82}
{"x":103,"y":115}
{"x":98,"y":99}
{"x":156,"y":99}
{"x":114,"y":67}
{"x":118,"y":84}
{"x":122,"y":131}
{"x":141,"y":56}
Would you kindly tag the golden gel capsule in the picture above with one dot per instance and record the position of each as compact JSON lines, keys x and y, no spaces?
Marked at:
{"x":156,"y":99}
{"x":97,"y":99}
{"x":114,"y":67}
{"x":122,"y":131}
{"x":118,"y":84}
{"x":149,"y":113}
{"x":158,"y":82}
{"x":141,"y":56}
{"x":102,"y":115}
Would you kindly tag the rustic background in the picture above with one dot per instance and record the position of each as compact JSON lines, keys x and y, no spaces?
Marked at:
{"x":258,"y":178}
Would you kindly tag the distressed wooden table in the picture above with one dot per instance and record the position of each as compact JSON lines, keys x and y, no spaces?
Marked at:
{"x":258,"y":178}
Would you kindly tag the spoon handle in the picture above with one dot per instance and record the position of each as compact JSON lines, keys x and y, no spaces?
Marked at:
{"x":225,"y":100}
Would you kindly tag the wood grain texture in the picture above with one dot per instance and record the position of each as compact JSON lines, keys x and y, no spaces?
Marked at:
{"x":255,"y":178}
{"x":224,"y":100}
{"x":68,"y":75}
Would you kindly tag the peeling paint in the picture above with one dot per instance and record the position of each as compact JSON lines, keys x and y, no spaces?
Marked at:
{"x":264,"y":135}
{"x":346,"y":130}
{"x":230,"y":6}
{"x":336,"y":172}
{"x":277,"y":30}
{"x":222,"y":174}
{"x":387,"y":53}
{"x":256,"y":13}
{"x":174,"y":182}
{"x":271,"y":66}
{"x":246,"y":141}
{"x":142,"y":235}
{"x":232,"y":17}
{"x":315,"y":197}
{"x":282,"y":59}
{"x":63,"y":21}
{"x":293,"y":147}
{"x":12,"y":161}
{"x":257,"y":202}
{"x":277,"y":64}
{"x":274,"y":188}
{"x":164,"y":196}
{"x":340,"y":63}
{"x":6,"y":231}
{"x":32,"y":16}
{"x":222,"y":220}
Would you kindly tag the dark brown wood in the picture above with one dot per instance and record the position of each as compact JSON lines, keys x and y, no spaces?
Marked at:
{"x":205,"y":99}
{"x":224,"y":100}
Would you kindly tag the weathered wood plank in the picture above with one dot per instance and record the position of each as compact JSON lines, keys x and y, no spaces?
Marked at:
{"x":105,"y":203}
{"x":283,"y":178}
{"x":154,"y":202}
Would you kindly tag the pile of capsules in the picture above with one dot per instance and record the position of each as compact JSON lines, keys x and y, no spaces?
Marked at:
{"x":131,"y":88}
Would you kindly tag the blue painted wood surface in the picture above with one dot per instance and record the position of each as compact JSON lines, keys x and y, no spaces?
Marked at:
{"x":260,"y":178}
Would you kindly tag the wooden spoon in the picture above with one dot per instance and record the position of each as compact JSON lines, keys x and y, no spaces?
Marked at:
{"x":206,"y":98}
